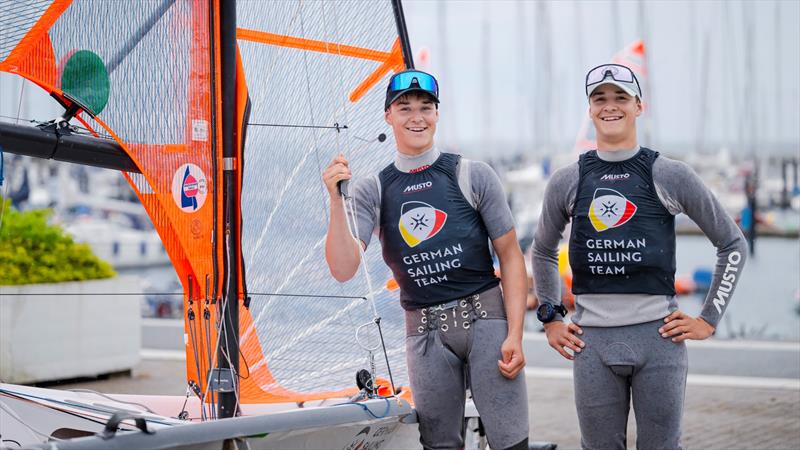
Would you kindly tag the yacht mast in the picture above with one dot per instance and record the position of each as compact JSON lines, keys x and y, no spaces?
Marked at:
{"x":226,"y":378}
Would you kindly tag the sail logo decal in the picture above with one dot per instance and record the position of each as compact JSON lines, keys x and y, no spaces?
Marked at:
{"x":419,"y":222}
{"x":610,"y":209}
{"x":189,"y":188}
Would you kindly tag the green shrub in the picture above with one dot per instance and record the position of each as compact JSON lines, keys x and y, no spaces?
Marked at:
{"x":33,"y":251}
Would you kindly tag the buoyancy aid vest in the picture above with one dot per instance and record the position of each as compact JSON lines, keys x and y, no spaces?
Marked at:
{"x":432,"y":239}
{"x":623,"y":238}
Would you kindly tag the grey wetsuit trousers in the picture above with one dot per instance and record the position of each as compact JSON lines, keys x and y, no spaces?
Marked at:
{"x":441,"y":363}
{"x":623,"y":363}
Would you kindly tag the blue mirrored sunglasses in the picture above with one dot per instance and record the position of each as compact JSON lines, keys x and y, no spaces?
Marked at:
{"x":405,"y":80}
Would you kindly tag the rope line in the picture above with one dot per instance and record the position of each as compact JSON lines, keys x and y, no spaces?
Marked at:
{"x":335,"y":126}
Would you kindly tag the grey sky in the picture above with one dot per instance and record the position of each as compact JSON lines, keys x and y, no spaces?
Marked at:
{"x":761,"y":106}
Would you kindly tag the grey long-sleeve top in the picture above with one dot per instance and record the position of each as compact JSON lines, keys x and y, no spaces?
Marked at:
{"x":680,"y":190}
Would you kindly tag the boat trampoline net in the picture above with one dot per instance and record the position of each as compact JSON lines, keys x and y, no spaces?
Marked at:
{"x":316,"y":74}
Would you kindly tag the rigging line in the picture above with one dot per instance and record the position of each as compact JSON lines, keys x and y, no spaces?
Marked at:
{"x":87,"y":416}
{"x":310,"y":100}
{"x":191,"y":316}
{"x":354,"y":217}
{"x":234,"y":375}
{"x":185,"y":402}
{"x":386,"y":355}
{"x":58,"y":294}
{"x":278,"y":294}
{"x":114,"y":399}
{"x":19,"y":105}
{"x":193,"y":337}
{"x":369,"y":411}
{"x":225,"y":324}
{"x":376,"y":317}
{"x":353,"y":227}
{"x":88,"y":412}
{"x":345,"y":110}
{"x":24,"y":424}
{"x":213,"y":362}
{"x":77,"y":129}
{"x":335,"y":126}
{"x":209,"y":361}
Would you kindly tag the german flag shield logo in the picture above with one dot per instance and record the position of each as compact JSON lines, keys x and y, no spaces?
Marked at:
{"x":419,"y":222}
{"x":610,"y":209}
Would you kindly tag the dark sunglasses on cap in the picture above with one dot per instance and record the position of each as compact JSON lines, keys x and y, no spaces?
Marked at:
{"x":617,"y":72}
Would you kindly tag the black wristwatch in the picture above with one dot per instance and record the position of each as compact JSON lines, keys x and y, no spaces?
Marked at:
{"x":546,"y":312}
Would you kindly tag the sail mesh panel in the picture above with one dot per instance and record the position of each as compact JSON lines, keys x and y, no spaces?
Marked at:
{"x":308,"y":340}
{"x":145,"y":69}
{"x":17,"y":17}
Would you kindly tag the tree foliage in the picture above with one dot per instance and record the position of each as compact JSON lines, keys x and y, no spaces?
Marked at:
{"x":34,"y":251}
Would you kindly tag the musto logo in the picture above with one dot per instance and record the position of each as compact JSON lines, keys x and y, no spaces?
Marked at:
{"x":610,"y":209}
{"x":419,"y":222}
{"x":189,"y":188}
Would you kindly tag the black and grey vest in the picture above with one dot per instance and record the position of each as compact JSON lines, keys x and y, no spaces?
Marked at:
{"x":623,"y":238}
{"x":433,"y":240}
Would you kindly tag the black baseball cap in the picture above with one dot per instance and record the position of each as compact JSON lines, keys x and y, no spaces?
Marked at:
{"x":407,"y":81}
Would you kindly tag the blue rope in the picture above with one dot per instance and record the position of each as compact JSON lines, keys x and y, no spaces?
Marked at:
{"x":1,"y":165}
{"x":366,"y":408}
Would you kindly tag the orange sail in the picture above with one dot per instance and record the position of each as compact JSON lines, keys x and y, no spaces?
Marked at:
{"x":310,"y":83}
{"x":146,"y":81}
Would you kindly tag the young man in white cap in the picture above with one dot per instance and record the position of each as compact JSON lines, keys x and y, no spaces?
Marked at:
{"x":435,"y":214}
{"x":627,"y":333}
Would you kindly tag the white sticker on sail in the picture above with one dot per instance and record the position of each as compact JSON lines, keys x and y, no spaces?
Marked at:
{"x":189,"y":188}
{"x":199,"y":130}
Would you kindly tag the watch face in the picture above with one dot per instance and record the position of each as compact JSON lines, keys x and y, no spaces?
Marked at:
{"x":545,"y":312}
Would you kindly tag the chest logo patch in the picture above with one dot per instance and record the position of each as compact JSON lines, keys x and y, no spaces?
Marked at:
{"x":419,"y":222}
{"x":610,"y":209}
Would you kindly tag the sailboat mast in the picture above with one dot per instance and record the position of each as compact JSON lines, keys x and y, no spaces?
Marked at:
{"x":228,"y":352}
{"x":402,"y":32}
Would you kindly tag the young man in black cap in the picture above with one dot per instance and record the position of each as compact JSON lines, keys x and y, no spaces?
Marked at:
{"x":622,"y":200}
{"x":435,"y":214}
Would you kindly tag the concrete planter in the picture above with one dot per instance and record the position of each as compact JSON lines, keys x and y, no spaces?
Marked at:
{"x":54,"y":337}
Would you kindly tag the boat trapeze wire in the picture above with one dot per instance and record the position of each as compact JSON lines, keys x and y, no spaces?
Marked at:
{"x":335,"y":126}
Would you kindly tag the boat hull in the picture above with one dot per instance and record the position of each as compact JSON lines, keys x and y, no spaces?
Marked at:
{"x":33,"y":416}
